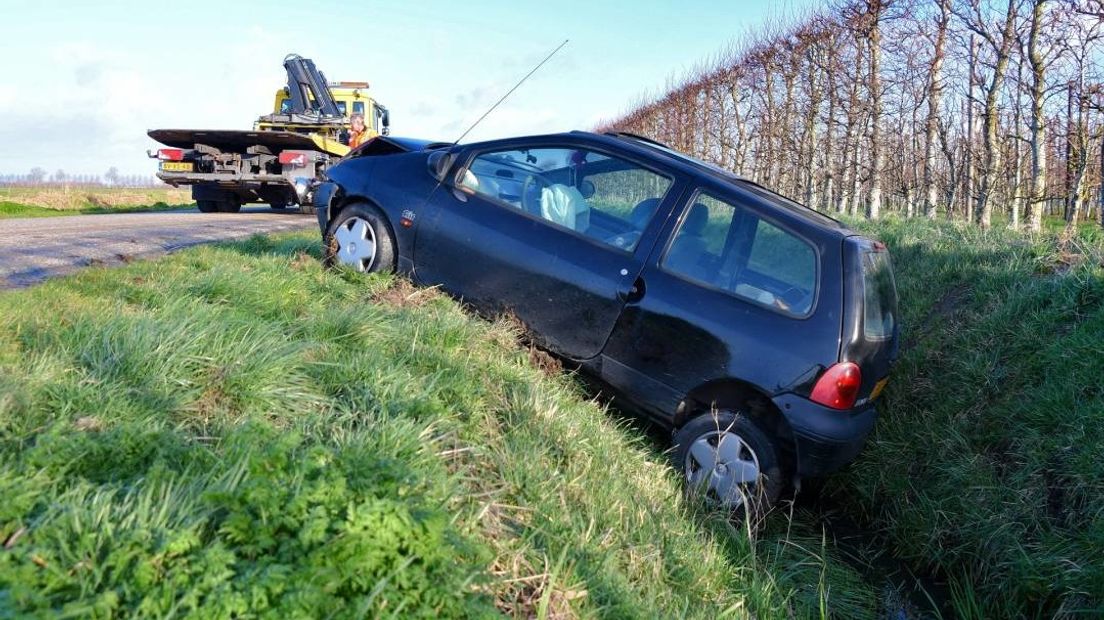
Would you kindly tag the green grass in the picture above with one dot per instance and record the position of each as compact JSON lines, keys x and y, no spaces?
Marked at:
{"x":234,"y":432}
{"x":986,"y":465}
{"x":15,"y":210}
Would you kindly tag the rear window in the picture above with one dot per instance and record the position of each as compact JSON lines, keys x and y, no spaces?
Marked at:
{"x":879,"y":296}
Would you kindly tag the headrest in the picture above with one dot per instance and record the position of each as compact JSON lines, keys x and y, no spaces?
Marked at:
{"x":642,"y":212}
{"x":696,"y":220}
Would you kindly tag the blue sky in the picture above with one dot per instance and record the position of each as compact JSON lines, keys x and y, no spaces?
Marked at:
{"x":84,"y":81}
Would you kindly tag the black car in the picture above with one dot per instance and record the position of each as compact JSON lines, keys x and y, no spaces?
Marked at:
{"x":760,"y":331}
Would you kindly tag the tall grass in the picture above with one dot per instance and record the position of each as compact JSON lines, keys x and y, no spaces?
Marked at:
{"x":234,"y":432}
{"x":987,"y":462}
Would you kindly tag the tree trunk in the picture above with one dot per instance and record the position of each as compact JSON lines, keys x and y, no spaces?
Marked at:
{"x":935,"y":99}
{"x":875,"y":207}
{"x":1038,"y":122}
{"x":1002,"y":49}
{"x":968,"y":181}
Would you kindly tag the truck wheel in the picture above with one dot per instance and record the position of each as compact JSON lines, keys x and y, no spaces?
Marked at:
{"x":207,"y":206}
{"x":230,"y":206}
{"x":361,"y":238}
{"x":728,"y":461}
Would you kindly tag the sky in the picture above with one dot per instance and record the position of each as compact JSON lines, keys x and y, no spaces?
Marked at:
{"x":83,"y":82}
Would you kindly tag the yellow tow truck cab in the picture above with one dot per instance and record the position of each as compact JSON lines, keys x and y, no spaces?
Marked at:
{"x":350,"y":97}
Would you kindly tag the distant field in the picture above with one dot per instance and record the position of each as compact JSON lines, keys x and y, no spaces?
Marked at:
{"x":49,"y":201}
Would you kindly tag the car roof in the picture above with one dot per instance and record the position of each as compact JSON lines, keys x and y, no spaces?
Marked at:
{"x":691,"y":166}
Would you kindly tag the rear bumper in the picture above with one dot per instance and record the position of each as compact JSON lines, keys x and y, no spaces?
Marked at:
{"x":221,"y":178}
{"x":825,"y":439}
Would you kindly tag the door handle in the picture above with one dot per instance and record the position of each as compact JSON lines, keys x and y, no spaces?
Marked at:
{"x":635,"y":293}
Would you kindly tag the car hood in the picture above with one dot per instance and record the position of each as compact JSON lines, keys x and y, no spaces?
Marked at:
{"x":389,"y":145}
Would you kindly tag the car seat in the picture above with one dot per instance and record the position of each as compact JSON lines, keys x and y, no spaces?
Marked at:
{"x":689,"y":254}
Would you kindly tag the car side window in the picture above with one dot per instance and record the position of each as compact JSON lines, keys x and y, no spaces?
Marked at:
{"x":726,"y":246}
{"x":590,"y":193}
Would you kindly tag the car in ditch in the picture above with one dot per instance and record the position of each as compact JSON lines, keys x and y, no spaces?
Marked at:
{"x":759,"y":331}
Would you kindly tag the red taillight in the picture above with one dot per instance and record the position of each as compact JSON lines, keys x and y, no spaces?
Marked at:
{"x":839,"y":386}
{"x":293,"y":159}
{"x":170,"y":154}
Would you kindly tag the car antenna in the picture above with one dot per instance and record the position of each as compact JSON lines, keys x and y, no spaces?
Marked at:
{"x":510,"y":92}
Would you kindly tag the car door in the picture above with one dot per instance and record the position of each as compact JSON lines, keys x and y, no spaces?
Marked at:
{"x":550,"y":233}
{"x":732,"y":293}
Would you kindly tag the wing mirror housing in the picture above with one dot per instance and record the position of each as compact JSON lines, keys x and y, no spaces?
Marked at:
{"x":439,"y":164}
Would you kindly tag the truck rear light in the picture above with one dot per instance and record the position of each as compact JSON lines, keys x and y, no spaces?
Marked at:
{"x":293,"y":159}
{"x":838,"y":387}
{"x":170,"y":154}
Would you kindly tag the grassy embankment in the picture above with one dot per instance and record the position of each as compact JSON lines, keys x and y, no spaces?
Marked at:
{"x":184,"y":436}
{"x":988,"y":462}
{"x":52,"y":201}
{"x":236,"y":431}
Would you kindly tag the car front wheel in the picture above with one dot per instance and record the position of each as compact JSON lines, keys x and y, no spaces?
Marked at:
{"x":730,"y":463}
{"x":360,"y":238}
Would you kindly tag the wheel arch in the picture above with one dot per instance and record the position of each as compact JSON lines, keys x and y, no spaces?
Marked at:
{"x":736,"y":395}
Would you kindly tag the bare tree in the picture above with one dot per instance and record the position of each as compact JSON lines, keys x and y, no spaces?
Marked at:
{"x":935,"y":100}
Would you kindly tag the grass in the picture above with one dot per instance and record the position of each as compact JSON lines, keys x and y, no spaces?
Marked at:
{"x":53,"y":201}
{"x":986,"y":464}
{"x":232,"y":431}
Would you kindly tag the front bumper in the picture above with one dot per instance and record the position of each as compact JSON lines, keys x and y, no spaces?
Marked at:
{"x":322,"y":196}
{"x":825,"y":439}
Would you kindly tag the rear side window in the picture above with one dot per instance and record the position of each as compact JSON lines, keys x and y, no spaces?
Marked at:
{"x":879,"y":296}
{"x":727,"y":246}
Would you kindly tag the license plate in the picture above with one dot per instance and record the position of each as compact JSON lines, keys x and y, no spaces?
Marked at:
{"x":878,"y":387}
{"x":176,"y":166}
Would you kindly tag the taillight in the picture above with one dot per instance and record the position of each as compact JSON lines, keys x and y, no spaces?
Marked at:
{"x":293,"y":159}
{"x":838,"y":387}
{"x":170,"y":154}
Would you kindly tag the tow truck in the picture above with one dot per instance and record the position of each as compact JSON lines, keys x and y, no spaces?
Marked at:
{"x":281,"y":160}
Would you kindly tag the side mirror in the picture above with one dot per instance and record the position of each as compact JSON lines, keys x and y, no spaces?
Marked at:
{"x":385,"y":120}
{"x":439,"y":163}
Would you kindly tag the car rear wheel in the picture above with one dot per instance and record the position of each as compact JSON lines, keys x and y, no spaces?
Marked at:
{"x":730,"y":463}
{"x":361,"y":238}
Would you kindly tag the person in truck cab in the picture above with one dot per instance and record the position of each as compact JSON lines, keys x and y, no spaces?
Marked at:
{"x":357,"y":133}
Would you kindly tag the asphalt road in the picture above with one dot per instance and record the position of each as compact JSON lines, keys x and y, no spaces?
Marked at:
{"x":33,"y":249}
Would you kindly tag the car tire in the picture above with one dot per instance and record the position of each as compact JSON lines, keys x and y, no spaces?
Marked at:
{"x":719,"y":454}
{"x":360,"y":238}
{"x":207,"y":206}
